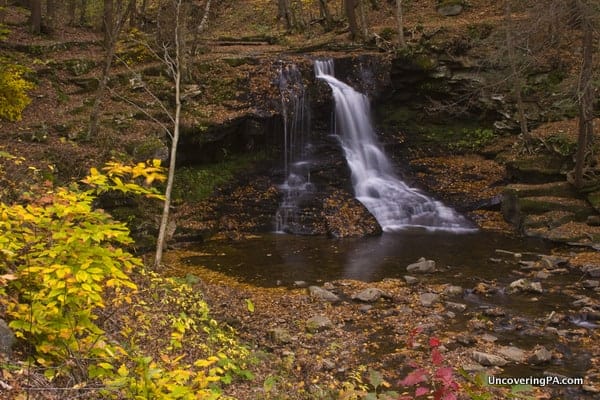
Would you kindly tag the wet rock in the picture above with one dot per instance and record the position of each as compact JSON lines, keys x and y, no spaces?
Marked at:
{"x":365,"y":308}
{"x":473,"y":368}
{"x":494,"y":312}
{"x":411,"y":280}
{"x":489,"y":360}
{"x":584,"y":301}
{"x":465,"y":340}
{"x":592,"y":271}
{"x":279,"y":336}
{"x":486,"y":337}
{"x":422,"y":266}
{"x":300,"y":284}
{"x":590,"y":284}
{"x":460,"y":307}
{"x":540,"y":356}
{"x":453,"y":290}
{"x":476,"y":325}
{"x":323,"y":294}
{"x":318,"y":323}
{"x":512,"y":354}
{"x":552,"y":262}
{"x":542,"y":275}
{"x":7,"y":338}
{"x":590,"y":389}
{"x":525,"y":285}
{"x":429,"y":299}
{"x":369,"y":295}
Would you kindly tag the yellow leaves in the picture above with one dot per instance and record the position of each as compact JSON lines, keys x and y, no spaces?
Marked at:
{"x":13,"y":88}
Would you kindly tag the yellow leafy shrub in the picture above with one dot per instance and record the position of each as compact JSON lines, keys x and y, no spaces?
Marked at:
{"x":13,"y":91}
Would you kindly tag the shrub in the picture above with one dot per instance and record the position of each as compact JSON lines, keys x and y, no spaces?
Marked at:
{"x":13,"y":90}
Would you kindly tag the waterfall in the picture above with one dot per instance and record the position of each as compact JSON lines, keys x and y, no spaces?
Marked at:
{"x":296,"y":130}
{"x":394,"y":204}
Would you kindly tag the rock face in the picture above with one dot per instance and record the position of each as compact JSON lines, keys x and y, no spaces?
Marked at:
{"x":7,"y":338}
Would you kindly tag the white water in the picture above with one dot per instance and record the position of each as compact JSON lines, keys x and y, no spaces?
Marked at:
{"x":394,"y":204}
{"x":296,"y":129}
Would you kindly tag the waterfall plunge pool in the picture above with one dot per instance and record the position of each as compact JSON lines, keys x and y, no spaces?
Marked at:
{"x":274,"y":259}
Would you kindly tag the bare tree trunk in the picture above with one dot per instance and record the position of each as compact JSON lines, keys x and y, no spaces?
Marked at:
{"x":325,"y":13}
{"x":350,"y":6}
{"x":400,"y":19}
{"x":36,"y":16}
{"x":51,"y":13}
{"x":117,"y":26}
{"x":83,"y":13}
{"x":363,"y":19}
{"x":201,"y":27}
{"x":174,"y":66}
{"x":585,"y":95}
{"x":107,"y":22}
{"x":284,"y":13}
{"x":516,"y":77}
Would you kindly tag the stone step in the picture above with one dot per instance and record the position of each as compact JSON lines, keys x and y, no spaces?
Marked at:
{"x":516,"y":209}
{"x":570,"y":232}
{"x":556,"y":189}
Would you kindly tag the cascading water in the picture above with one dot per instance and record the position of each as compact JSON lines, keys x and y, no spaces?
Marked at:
{"x":395,"y":205}
{"x":296,"y":130}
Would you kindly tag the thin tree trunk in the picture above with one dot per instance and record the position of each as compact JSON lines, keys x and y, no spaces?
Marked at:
{"x":363,"y":19}
{"x":51,"y":13}
{"x":326,"y":14}
{"x":107,"y":22}
{"x":175,"y":67}
{"x":36,"y":16}
{"x":516,"y":78}
{"x":400,"y":20}
{"x":83,"y":12}
{"x":585,"y":95}
{"x":350,"y":6}
{"x":110,"y":55}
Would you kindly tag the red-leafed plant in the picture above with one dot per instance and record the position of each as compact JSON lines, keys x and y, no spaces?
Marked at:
{"x":436,"y":379}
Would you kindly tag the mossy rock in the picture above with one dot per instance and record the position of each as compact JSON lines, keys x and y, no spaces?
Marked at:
{"x":556,"y":189}
{"x":150,"y":148}
{"x":540,"y":168}
{"x":86,"y":85}
{"x":551,"y":219}
{"x":594,"y":199}
{"x":79,"y":67}
{"x":570,"y":232}
{"x":450,"y":8}
{"x":542,"y":204}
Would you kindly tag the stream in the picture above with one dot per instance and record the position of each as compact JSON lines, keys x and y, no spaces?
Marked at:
{"x":465,"y":260}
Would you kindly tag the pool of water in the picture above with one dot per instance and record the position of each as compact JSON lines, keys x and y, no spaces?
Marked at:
{"x":279,"y":259}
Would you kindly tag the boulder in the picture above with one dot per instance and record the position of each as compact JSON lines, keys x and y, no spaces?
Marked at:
{"x":512,"y":353}
{"x":369,"y":295}
{"x":318,"y":323}
{"x":422,"y":266}
{"x":489,"y":360}
{"x":450,"y":8}
{"x":540,"y":356}
{"x":429,"y":299}
{"x":323,"y":294}
{"x":525,"y":285}
{"x":279,"y":336}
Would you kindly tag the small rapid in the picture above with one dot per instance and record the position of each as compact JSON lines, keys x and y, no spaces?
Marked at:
{"x":394,"y":204}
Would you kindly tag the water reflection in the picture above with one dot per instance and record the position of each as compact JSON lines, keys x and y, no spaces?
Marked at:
{"x":274,"y":259}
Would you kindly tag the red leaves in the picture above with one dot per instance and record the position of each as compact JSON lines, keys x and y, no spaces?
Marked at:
{"x":415,"y":377}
